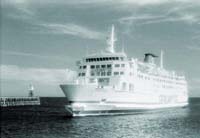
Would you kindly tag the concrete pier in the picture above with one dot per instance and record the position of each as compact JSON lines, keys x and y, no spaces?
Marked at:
{"x":19,"y":101}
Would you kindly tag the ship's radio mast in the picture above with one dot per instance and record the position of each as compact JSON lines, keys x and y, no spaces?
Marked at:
{"x":111,"y":41}
{"x":161,"y":59}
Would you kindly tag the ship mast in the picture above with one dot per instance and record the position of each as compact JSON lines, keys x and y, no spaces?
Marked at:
{"x":111,"y":41}
{"x":161,"y":59}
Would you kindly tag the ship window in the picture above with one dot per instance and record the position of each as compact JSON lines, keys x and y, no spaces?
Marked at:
{"x":103,"y":66}
{"x":117,"y":58}
{"x":92,"y":80}
{"x":103,"y":74}
{"x":84,"y":67}
{"x":110,"y":58}
{"x":87,"y":60}
{"x":124,"y":85}
{"x":109,"y":66}
{"x":131,"y":87}
{"x":83,"y":74}
{"x":97,"y":66}
{"x":121,"y":73}
{"x":109,"y":73}
{"x":101,"y":59}
{"x":122,"y":58}
{"x":104,"y":59}
{"x":107,"y":58}
{"x":79,"y":74}
{"x":92,"y":66}
{"x":101,"y":80}
{"x":140,"y":76}
{"x":80,"y":67}
{"x":117,"y":65}
{"x":98,"y":73}
{"x":92,"y":74}
{"x":122,"y":65}
{"x":116,"y":73}
{"x":113,"y":58}
{"x":97,"y":59}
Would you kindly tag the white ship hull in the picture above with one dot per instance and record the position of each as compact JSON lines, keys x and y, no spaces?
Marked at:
{"x":108,"y":82}
{"x":84,"y":100}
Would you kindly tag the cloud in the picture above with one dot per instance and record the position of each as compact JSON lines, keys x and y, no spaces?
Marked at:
{"x":171,"y":15}
{"x":15,"y":53}
{"x":40,"y":75}
{"x":183,"y":14}
{"x":139,"y":18}
{"x":196,"y":35}
{"x":82,"y":3}
{"x":85,"y":2}
{"x":186,"y":18}
{"x":72,"y":29}
{"x":129,"y":2}
{"x":10,"y":2}
{"x":145,"y":2}
{"x":193,"y":48}
{"x":185,"y":11}
{"x":133,"y":2}
{"x":26,"y":13}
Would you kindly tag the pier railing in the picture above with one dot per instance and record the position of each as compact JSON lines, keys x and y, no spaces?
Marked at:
{"x":19,"y":101}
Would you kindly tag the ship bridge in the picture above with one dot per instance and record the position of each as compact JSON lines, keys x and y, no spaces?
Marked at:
{"x":102,"y":68}
{"x":106,"y":57}
{"x":105,"y":68}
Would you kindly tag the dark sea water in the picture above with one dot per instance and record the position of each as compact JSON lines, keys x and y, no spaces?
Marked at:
{"x":49,"y":121}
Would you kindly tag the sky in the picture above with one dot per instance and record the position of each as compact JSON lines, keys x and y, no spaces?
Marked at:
{"x":42,"y":39}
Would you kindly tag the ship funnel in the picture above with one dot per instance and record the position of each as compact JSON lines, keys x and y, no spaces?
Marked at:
{"x":149,"y":58}
{"x":111,"y":41}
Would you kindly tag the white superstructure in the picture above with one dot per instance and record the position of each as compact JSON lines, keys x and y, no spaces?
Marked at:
{"x":111,"y":83}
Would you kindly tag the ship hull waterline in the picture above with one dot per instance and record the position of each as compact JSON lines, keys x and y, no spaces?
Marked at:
{"x":75,"y":111}
{"x":84,"y":101}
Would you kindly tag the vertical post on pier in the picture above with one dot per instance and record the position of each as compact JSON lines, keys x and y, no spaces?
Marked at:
{"x":31,"y":89}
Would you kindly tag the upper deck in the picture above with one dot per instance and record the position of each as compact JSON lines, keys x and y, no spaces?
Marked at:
{"x":110,"y":68}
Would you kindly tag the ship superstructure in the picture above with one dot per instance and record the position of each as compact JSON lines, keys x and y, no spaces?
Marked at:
{"x":109,"y":82}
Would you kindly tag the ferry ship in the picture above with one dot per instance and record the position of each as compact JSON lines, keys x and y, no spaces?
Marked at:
{"x":109,"y":82}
